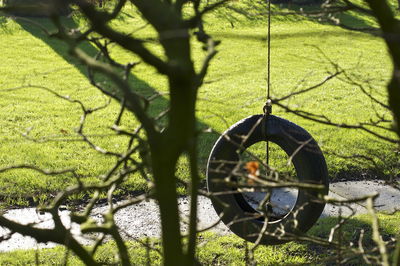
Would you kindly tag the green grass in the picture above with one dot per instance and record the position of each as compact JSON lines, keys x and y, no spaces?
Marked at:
{"x":214,"y":250}
{"x":293,"y":58}
{"x":234,"y":89}
{"x":228,"y":250}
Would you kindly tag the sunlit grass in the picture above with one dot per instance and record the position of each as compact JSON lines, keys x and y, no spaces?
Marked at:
{"x":234,"y":89}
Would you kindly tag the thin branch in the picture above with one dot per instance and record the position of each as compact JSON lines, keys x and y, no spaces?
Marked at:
{"x":376,"y":236}
{"x":326,"y":121}
{"x":318,"y":85}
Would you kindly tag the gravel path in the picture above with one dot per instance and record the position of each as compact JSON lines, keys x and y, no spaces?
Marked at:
{"x":142,"y":220}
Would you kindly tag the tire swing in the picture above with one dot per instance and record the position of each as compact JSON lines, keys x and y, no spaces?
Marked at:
{"x":225,"y":171}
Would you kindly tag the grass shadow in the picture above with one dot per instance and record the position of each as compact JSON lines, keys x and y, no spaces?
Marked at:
{"x":351,"y":231}
{"x":349,"y":20}
{"x":142,"y":87}
{"x":3,"y":17}
{"x":3,"y":20}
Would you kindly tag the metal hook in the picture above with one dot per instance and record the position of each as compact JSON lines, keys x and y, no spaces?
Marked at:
{"x":268,"y":107}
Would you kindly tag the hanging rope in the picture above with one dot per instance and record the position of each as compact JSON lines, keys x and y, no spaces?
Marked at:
{"x":269,"y":52}
{"x":268,"y":105}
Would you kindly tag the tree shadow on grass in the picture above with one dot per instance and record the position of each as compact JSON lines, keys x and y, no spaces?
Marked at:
{"x":3,"y":20}
{"x":350,"y":20}
{"x":350,"y":232}
{"x":140,"y":86}
{"x":33,"y":26}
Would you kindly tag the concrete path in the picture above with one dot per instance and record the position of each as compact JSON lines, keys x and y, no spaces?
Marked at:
{"x":142,"y":220}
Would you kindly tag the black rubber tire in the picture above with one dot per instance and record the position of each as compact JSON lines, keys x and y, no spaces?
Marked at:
{"x":309,"y":164}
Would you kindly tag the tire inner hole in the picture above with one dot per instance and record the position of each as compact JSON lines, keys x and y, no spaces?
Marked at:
{"x":282,"y":200}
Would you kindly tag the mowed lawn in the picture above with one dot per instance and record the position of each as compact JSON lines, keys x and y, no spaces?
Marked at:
{"x":38,"y":128}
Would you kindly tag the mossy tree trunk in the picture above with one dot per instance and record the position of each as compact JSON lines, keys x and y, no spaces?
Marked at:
{"x":390,"y":27}
{"x":179,"y":136}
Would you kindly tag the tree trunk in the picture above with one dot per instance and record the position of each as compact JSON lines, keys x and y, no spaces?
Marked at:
{"x":391,"y":32}
{"x":163,"y":163}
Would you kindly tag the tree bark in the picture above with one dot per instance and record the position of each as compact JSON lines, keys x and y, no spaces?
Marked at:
{"x":391,"y":32}
{"x":163,"y":163}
